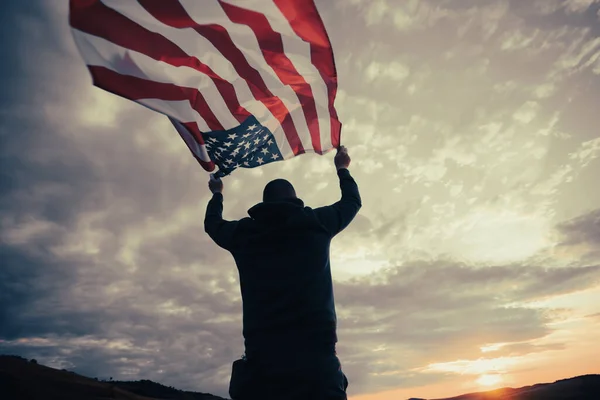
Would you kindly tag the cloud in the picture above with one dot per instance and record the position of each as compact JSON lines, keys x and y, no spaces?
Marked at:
{"x":588,"y":151}
{"x":580,"y":237}
{"x":527,"y":112}
{"x":473,"y":132}
{"x":578,"y":6}
{"x":394,"y":71}
{"x":442,"y":310}
{"x":376,"y":12}
{"x":517,"y":40}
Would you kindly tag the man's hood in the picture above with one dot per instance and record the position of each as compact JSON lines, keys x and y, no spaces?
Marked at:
{"x":276,"y":211}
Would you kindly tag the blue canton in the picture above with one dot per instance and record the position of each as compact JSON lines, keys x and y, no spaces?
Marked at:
{"x":248,"y":145}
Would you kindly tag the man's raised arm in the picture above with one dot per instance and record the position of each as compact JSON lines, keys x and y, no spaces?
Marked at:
{"x":220,"y":230}
{"x":338,"y":216}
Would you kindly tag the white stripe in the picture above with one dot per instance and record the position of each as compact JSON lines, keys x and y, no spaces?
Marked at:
{"x":244,"y":39}
{"x":180,"y":110}
{"x":195,"y":44}
{"x":197,"y":149}
{"x":97,"y":51}
{"x":298,"y":51}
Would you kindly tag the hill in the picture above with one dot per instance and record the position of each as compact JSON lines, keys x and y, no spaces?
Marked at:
{"x":24,"y":380}
{"x":21,"y":379}
{"x":586,"y":387}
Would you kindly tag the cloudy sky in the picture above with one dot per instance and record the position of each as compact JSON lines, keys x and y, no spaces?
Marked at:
{"x":474,"y":130}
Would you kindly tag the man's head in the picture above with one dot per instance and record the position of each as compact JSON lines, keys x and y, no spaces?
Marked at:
{"x":278,"y":190}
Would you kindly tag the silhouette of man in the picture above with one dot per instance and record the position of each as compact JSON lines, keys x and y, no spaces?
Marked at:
{"x":289,"y":319}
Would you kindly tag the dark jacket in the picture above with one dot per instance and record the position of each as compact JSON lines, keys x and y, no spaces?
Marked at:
{"x":282,"y":255}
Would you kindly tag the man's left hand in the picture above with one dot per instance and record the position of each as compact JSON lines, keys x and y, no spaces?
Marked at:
{"x":215,"y":185}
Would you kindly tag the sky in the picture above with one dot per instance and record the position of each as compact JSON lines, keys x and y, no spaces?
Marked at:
{"x":474,"y":263}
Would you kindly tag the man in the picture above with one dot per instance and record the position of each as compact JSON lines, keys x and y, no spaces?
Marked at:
{"x":289,"y":320}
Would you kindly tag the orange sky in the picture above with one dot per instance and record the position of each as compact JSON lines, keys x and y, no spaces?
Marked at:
{"x":580,"y":357}
{"x":475,"y":259}
{"x":579,"y":361}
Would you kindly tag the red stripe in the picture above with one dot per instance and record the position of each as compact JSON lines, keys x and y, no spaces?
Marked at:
{"x":193,"y":129}
{"x":134,"y":88}
{"x":306,"y":22}
{"x":271,"y":46}
{"x":172,"y":13}
{"x":208,"y":166}
{"x":93,"y":17}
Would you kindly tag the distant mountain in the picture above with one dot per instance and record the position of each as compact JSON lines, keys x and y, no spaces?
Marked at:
{"x":21,"y":379}
{"x":586,"y":387}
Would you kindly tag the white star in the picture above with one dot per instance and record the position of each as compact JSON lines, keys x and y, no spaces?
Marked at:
{"x":259,"y":160}
{"x":232,"y":136}
{"x":212,"y":139}
{"x":246,"y":163}
{"x":252,"y":127}
{"x":229,"y":161}
{"x":245,"y":135}
{"x":256,"y":141}
{"x":270,"y":141}
{"x":228,"y":144}
{"x":264,"y":150}
{"x":234,"y":152}
{"x":247,"y":145}
{"x":245,"y":155}
{"x":265,"y":137}
{"x":275,"y":156}
{"x":222,"y":149}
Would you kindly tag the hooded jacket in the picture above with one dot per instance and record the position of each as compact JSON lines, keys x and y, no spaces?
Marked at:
{"x":282,"y":254}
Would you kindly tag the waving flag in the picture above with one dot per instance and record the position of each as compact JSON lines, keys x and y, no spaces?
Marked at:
{"x":244,"y":82}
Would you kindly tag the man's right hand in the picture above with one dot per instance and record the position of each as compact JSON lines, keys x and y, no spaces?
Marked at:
{"x":342,"y":159}
{"x":215,"y":184}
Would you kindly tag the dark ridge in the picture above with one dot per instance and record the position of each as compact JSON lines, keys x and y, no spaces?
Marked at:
{"x":21,"y":379}
{"x":585,"y":387}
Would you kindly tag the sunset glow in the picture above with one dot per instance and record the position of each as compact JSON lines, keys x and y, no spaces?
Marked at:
{"x":473,"y":264}
{"x":489,"y":380}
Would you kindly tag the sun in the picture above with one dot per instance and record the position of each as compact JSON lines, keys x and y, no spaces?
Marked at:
{"x":489,"y":379}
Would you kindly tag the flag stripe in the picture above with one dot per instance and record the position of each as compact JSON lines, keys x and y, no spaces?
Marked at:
{"x":306,"y":22}
{"x":179,"y":110}
{"x":97,"y":19}
{"x":271,"y":46}
{"x":298,"y":52}
{"x":128,"y":62}
{"x":189,"y":133}
{"x":135,"y":88}
{"x":190,"y":42}
{"x":173,"y":14}
{"x":244,"y":39}
{"x":276,"y":80}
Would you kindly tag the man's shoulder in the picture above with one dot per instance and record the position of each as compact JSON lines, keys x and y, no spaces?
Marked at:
{"x":245,"y":221}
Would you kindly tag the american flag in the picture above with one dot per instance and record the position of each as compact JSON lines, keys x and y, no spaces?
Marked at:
{"x":244,"y":82}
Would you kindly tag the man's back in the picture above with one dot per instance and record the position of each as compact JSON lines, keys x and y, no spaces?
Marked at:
{"x":282,"y":254}
{"x":283,"y":262}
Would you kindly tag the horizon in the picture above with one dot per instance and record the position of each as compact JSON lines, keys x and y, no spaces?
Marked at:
{"x":108,"y":379}
{"x":474,"y":263}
